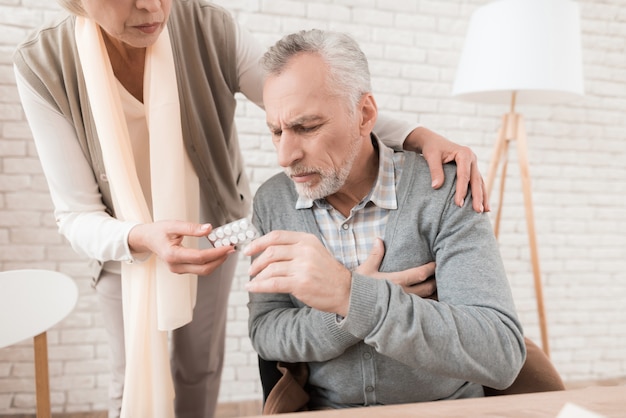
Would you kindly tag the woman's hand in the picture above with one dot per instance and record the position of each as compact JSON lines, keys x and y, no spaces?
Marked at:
{"x":437,"y":151}
{"x":165,"y":240}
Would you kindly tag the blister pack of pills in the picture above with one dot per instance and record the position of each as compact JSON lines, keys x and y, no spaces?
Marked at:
{"x":238,"y":232}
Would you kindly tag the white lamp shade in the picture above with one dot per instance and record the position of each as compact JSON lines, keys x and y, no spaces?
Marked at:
{"x":531,"y":47}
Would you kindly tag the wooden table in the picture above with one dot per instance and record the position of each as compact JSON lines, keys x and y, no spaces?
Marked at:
{"x":606,"y":401}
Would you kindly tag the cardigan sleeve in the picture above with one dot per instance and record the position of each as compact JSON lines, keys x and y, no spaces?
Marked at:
{"x":249,"y":53}
{"x":280,"y":326}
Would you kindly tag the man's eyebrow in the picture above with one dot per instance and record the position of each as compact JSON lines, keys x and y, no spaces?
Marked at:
{"x":299,"y":121}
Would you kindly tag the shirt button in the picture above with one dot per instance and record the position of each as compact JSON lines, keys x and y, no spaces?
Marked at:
{"x":345,"y":226}
{"x":367,"y":356}
{"x":369,"y":389}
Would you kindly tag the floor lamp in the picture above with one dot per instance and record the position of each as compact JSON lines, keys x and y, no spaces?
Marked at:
{"x":521,"y":52}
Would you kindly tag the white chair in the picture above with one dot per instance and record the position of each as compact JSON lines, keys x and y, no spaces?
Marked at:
{"x":31,"y":302}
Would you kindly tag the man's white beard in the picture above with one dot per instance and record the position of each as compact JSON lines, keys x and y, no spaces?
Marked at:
{"x":331,"y":179}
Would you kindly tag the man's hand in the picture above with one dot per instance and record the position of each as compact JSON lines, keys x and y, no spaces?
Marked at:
{"x":419,"y":281}
{"x":437,"y":151}
{"x":165,"y":240}
{"x":298,"y":263}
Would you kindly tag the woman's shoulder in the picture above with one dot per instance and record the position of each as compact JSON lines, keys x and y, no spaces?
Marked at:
{"x":47,"y":51}
{"x":55,"y":31}
{"x":201,"y":17}
{"x":202,"y":9}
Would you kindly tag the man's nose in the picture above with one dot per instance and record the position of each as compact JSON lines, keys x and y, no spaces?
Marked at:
{"x":289,"y":149}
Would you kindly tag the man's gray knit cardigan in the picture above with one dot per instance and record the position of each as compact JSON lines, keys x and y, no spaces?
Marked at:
{"x":393,"y":347}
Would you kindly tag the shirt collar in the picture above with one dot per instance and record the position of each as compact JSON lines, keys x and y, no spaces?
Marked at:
{"x":383,"y":193}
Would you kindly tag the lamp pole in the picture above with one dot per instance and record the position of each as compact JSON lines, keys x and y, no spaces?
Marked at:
{"x":513,"y":129}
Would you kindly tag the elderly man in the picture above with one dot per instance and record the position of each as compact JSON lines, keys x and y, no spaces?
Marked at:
{"x":317,"y":298}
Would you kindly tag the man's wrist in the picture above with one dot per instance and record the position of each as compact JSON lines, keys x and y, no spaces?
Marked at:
{"x":346,"y":288}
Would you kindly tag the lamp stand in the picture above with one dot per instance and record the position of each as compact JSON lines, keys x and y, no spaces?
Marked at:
{"x":512,"y":129}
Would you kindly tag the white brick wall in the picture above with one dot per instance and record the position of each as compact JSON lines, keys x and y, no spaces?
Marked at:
{"x":578,"y":163}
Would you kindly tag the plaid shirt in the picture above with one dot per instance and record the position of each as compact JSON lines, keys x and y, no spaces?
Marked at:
{"x":350,"y":239}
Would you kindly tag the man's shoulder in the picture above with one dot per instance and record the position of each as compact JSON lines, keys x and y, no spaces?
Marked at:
{"x":278,"y":179}
{"x":275,"y":204}
{"x":418,"y":163}
{"x":416,"y":168}
{"x":278,"y":187}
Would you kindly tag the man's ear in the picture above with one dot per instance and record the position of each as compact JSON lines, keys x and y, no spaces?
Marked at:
{"x":369,"y":114}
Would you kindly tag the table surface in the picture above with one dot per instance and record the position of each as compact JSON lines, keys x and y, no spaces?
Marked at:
{"x":32,"y":301}
{"x":605,"y":401}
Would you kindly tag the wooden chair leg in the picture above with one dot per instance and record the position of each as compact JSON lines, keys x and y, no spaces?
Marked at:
{"x":42,"y":383}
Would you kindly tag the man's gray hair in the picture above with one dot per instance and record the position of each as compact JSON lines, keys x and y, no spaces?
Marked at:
{"x":347,"y":64}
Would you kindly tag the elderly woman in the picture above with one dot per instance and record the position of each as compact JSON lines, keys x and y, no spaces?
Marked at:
{"x":131,"y":104}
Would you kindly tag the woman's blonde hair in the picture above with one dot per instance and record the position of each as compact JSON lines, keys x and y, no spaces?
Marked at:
{"x":73,"y":6}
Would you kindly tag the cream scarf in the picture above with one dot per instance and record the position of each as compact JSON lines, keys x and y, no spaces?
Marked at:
{"x":154,"y":299}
